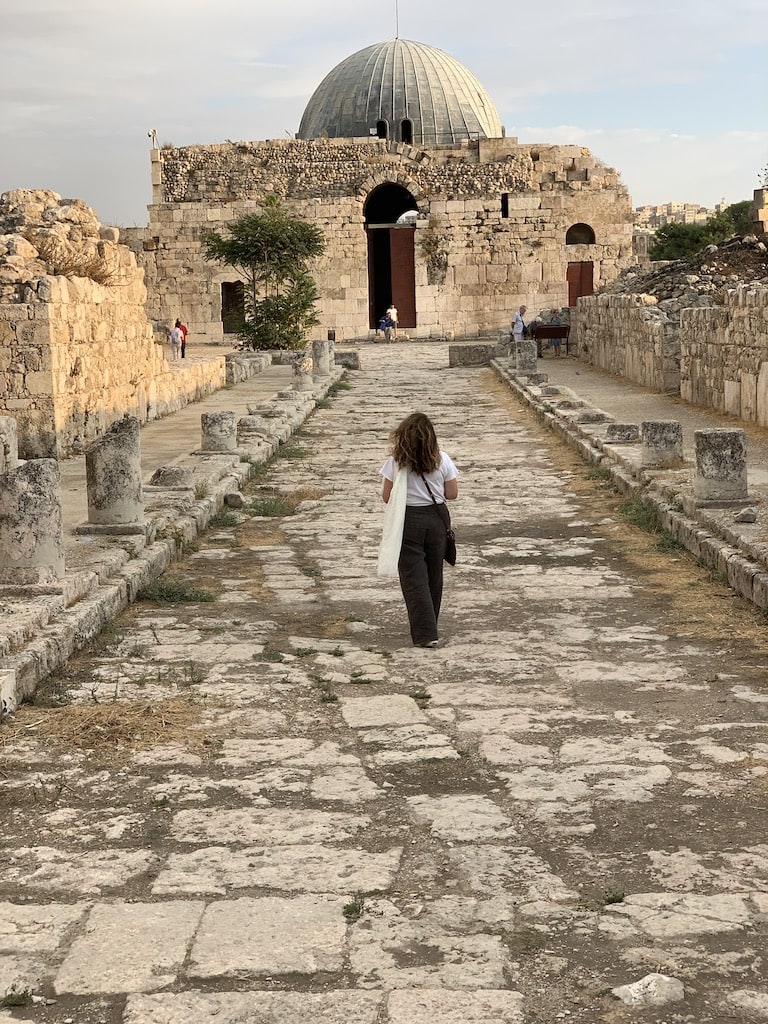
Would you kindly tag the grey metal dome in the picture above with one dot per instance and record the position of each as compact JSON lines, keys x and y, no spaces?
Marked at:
{"x":401,"y":90}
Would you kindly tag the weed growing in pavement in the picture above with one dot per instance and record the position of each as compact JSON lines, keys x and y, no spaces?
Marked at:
{"x":136,"y":651}
{"x":274,"y":505}
{"x":359,"y":679}
{"x":311,"y":571}
{"x":324,"y":686}
{"x":422,"y":697}
{"x":164,"y":591}
{"x":611,"y":896}
{"x":16,"y":997}
{"x":669,"y":543}
{"x":342,"y":384}
{"x":354,"y":909}
{"x":53,"y":692}
{"x":637,"y":513}
{"x":289,"y":450}
{"x":599,"y":473}
{"x":201,"y":490}
{"x":337,"y":652}
{"x":305,"y":652}
{"x":273,"y":656}
{"x":224,"y":519}
{"x":323,"y":403}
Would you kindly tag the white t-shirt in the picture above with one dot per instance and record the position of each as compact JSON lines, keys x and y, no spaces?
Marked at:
{"x":417,"y":492}
{"x":518,"y":324}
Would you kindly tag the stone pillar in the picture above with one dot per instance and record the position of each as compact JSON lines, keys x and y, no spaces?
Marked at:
{"x":9,"y":444}
{"x":721,"y":465}
{"x":622,"y":433}
{"x":302,"y":372}
{"x":219,"y":431}
{"x":31,"y":538}
{"x":525,"y":357}
{"x":331,"y":348}
{"x":113,"y":475}
{"x":662,"y":443}
{"x":320,"y":360}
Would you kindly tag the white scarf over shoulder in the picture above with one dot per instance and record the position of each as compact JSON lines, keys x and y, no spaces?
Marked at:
{"x":394,"y":519}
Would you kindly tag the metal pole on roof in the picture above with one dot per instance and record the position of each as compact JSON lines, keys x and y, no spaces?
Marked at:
{"x":397,"y":20}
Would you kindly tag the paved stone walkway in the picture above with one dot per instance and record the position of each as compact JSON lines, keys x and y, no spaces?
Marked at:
{"x":270,"y":809}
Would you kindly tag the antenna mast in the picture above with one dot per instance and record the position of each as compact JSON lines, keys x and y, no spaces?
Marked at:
{"x":397,"y":20}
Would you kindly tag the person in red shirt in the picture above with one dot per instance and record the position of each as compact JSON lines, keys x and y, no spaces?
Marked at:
{"x":184,"y":333}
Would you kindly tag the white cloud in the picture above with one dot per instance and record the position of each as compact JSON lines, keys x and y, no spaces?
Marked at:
{"x":670,"y":95}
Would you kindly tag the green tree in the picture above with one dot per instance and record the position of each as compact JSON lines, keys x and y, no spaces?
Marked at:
{"x":272,"y":251}
{"x":678,"y":241}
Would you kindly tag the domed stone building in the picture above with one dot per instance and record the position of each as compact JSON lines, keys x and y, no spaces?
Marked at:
{"x":401,"y":160}
{"x":401,"y":90}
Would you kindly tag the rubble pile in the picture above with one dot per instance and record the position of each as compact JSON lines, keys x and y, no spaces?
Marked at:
{"x":42,"y":234}
{"x":701,"y":280}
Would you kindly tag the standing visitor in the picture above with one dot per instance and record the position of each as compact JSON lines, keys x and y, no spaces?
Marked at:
{"x":184,"y":332}
{"x":419,"y":478}
{"x":175,"y":341}
{"x":518,"y":324}
{"x":392,"y":317}
{"x":555,"y":320}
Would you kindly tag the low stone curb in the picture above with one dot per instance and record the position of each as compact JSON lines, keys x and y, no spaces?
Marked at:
{"x":42,"y":627}
{"x":742,"y":561}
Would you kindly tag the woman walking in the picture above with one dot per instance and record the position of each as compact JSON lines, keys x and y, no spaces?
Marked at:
{"x":427,"y":477}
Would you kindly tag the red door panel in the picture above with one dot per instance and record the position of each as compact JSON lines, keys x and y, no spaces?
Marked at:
{"x":401,"y":241}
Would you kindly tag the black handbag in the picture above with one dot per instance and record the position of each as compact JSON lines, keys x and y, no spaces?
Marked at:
{"x":445,"y":515}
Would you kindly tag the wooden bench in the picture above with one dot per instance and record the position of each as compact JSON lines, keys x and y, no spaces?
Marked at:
{"x":549,"y":331}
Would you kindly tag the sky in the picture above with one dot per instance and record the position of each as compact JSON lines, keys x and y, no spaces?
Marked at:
{"x":673,"y":95}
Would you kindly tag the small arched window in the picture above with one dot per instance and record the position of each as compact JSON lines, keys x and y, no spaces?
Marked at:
{"x":580,"y":234}
{"x":382,"y":130}
{"x":406,"y":131}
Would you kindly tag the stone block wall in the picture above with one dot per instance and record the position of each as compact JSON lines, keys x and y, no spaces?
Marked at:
{"x":83,"y":355}
{"x":628,"y":335}
{"x":724,"y":354}
{"x":76,"y":354}
{"x":475,"y":263}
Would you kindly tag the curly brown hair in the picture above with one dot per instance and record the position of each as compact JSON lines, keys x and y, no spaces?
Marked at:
{"x":414,"y":444}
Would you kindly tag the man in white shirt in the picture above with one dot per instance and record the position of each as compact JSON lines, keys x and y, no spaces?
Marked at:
{"x":392,"y":315}
{"x":518,"y":324}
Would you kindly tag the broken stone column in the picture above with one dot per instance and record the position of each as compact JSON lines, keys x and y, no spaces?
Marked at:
{"x":721,"y":465}
{"x":662,"y":443}
{"x":219,"y":431}
{"x":525,"y":357}
{"x":622,"y":433}
{"x":302,"y":372}
{"x":113,"y":475}
{"x":322,"y":367}
{"x":31,"y":540}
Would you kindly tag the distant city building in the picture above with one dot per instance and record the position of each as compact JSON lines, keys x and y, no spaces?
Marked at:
{"x":649,"y":218}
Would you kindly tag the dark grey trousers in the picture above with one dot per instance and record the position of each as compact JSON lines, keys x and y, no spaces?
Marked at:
{"x":421,"y":570}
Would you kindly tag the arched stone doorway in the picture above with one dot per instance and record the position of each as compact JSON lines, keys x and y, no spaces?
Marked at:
{"x":391,"y":260}
{"x":581,"y":273}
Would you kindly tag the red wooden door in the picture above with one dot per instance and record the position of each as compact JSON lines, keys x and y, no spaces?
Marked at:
{"x":581,"y":280}
{"x":401,"y":242}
